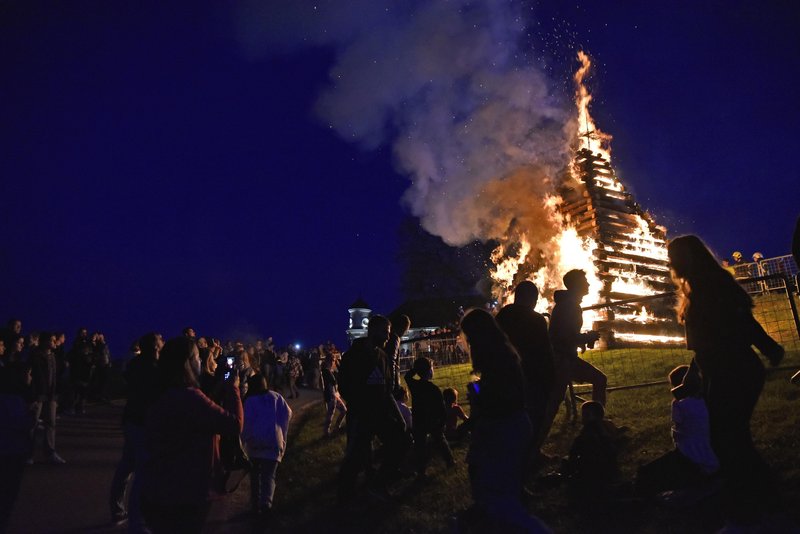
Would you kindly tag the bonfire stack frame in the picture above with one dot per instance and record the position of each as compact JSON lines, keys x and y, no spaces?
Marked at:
{"x":630,"y":247}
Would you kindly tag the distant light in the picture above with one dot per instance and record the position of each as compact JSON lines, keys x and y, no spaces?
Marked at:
{"x":297,"y":346}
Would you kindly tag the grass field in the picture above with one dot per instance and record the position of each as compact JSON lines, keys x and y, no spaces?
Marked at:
{"x":305,"y":499}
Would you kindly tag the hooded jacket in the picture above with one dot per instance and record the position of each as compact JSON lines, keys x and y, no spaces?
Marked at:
{"x":266,"y":424}
{"x":566,"y":322}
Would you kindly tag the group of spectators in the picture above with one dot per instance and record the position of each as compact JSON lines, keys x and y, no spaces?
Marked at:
{"x":525,"y":364}
{"x":61,"y":381}
{"x":37,"y":375}
{"x":185,"y":423}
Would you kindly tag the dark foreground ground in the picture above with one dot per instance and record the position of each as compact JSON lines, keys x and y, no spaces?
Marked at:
{"x":74,"y":497}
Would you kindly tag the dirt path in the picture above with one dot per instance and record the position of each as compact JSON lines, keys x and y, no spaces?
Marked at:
{"x":74,"y":497}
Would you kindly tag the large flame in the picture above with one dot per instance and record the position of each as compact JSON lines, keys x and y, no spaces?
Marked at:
{"x":507,"y":266}
{"x":590,"y":136}
{"x":563,"y":252}
{"x":639,"y":256}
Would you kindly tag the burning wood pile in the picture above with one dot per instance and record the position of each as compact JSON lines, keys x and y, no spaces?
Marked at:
{"x":602,"y":230}
{"x":629,"y":258}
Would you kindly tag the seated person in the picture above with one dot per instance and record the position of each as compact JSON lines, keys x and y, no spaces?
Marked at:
{"x":692,"y":461}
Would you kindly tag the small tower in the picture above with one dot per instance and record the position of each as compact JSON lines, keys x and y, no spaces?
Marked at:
{"x":359,"y":319}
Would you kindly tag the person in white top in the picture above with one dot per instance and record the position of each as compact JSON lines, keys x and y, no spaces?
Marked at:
{"x":692,"y":464}
{"x":266,"y":423}
{"x":690,"y":420}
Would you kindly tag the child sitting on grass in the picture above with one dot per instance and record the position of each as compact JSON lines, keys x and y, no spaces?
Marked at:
{"x":692,"y":461}
{"x":454,"y":414}
{"x":266,"y":422}
{"x":592,"y":462}
{"x":427,"y":407}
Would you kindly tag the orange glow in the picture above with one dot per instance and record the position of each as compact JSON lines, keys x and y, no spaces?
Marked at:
{"x":590,"y":137}
{"x":629,"y":262}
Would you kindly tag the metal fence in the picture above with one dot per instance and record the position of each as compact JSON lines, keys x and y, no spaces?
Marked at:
{"x":636,"y":365}
{"x":643,"y":364}
{"x":782,"y":269}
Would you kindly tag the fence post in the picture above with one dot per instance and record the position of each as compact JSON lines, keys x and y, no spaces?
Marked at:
{"x":792,"y":305}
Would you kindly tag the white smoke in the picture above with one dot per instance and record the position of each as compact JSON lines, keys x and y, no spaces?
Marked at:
{"x":451,"y":87}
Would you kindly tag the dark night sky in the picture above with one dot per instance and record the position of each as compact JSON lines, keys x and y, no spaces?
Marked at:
{"x":154,"y":175}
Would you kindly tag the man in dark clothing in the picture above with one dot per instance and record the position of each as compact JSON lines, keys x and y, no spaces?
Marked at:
{"x":527,"y":331}
{"x":101,"y":358}
{"x":43,"y":368}
{"x":365,"y":383}
{"x":142,"y":380}
{"x":566,"y":336}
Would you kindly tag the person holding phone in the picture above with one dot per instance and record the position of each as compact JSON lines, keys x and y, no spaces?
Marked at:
{"x":181,"y":432}
{"x":502,"y":433}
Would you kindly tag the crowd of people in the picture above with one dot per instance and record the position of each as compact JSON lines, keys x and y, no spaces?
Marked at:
{"x":183,"y":419}
{"x":524,"y":365}
{"x":186,"y":427}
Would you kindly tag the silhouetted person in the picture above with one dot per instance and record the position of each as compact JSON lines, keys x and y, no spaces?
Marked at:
{"x":566,"y":337}
{"x":12,"y":329}
{"x":14,"y":349}
{"x":80,"y":370}
{"x":181,"y":428}
{"x":142,"y":388}
{"x":43,"y":366}
{"x":365,"y":383}
{"x":720,"y":329}
{"x":101,"y":358}
{"x":501,"y":431}
{"x":15,"y":445}
{"x":428,"y":415}
{"x":527,"y":331}
{"x":189,"y":332}
{"x":454,"y":413}
{"x":330,"y":394}
{"x":400,"y":326}
{"x":592,"y":466}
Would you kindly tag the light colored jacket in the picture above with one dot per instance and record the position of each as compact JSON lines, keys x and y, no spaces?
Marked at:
{"x":266,"y":423}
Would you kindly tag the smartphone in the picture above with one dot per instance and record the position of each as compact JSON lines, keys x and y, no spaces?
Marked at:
{"x":230,"y":361}
{"x":227,"y":375}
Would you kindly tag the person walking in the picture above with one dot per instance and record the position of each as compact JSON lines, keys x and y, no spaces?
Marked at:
{"x":720,"y":330}
{"x":501,"y":431}
{"x":264,"y":435}
{"x":365,"y":382}
{"x":141,"y":379}
{"x":527,"y":331}
{"x":43,"y":367}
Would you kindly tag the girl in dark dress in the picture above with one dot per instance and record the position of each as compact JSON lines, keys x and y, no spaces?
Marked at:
{"x":721,"y":330}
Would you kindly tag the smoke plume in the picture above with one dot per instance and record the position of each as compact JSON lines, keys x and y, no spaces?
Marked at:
{"x":452,"y":87}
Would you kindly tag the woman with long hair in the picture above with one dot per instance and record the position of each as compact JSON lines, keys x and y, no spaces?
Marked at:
{"x":181,"y":430}
{"x":720,"y":329}
{"x":501,"y":432}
